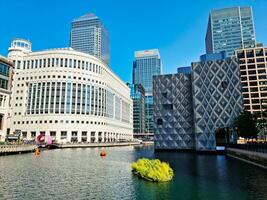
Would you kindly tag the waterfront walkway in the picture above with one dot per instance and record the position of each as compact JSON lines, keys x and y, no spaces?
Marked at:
{"x":13,"y":149}
{"x":26,"y":148}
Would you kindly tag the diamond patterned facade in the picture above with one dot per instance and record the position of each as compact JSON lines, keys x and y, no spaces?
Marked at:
{"x":217,"y":99}
{"x":188,"y":109}
{"x":173,"y":119}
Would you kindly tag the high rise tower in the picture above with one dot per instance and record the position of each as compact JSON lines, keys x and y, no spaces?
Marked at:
{"x":230,"y":29}
{"x":147,"y":64}
{"x":89,"y":35}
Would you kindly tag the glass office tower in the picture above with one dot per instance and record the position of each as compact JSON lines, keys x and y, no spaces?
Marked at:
{"x":138,"y":97}
{"x":147,"y":64}
{"x":89,"y":35}
{"x":230,"y":29}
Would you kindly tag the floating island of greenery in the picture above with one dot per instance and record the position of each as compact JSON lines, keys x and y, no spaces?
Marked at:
{"x":152,"y":170}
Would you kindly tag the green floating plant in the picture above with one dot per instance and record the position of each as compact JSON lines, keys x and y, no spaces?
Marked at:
{"x":152,"y":170}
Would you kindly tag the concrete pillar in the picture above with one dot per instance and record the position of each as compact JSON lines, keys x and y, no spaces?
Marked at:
{"x":89,"y":137}
{"x":79,"y":136}
{"x":68,"y":136}
{"x":96,"y":137}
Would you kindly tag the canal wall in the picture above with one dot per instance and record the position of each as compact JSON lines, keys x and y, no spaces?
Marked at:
{"x":16,"y":149}
{"x":88,"y":145}
{"x":255,"y":158}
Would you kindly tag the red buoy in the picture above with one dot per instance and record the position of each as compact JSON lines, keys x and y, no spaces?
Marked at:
{"x":103,"y":153}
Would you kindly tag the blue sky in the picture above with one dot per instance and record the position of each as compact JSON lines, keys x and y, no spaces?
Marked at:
{"x":176,"y":27}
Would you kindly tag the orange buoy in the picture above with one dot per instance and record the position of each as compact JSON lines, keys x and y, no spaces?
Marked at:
{"x":37,"y":152}
{"x":103,"y":153}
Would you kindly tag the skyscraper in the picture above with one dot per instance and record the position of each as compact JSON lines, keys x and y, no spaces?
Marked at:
{"x":147,"y":64}
{"x":230,"y":29}
{"x":138,"y":97}
{"x":89,"y":35}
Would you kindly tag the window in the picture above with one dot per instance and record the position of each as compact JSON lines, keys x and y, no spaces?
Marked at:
{"x":167,"y":106}
{"x":63,"y":135}
{"x":159,"y":122}
{"x":33,"y":134}
{"x":53,"y":133}
{"x":164,"y":94}
{"x":224,"y":84}
{"x":84,"y":134}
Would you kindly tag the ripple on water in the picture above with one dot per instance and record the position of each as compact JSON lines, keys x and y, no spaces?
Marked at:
{"x":82,"y":174}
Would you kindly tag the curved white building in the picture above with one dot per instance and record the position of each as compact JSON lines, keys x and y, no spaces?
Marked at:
{"x":69,"y":95}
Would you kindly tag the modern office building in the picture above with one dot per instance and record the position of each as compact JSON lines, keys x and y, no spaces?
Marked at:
{"x":69,"y":95}
{"x":89,"y":35}
{"x":5,"y":91}
{"x":147,"y":64}
{"x":185,"y":122}
{"x":217,"y":99}
{"x":184,"y":70}
{"x":253,"y":66}
{"x":230,"y":29}
{"x":138,"y":97}
{"x":173,"y":108}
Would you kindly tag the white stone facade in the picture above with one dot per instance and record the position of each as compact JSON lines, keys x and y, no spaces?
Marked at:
{"x":70,"y":95}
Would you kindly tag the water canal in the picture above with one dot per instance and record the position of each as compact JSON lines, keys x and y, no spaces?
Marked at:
{"x":83,"y":174}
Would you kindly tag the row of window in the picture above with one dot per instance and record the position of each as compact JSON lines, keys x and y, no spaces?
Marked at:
{"x":59,"y":121}
{"x":253,"y":72}
{"x":73,"y":98}
{"x":251,"y":53}
{"x":102,"y":136}
{"x":252,"y":66}
{"x":58,"y":62}
{"x":254,"y":89}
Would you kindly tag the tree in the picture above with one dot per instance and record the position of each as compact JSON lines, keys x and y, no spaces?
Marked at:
{"x":246,"y":125}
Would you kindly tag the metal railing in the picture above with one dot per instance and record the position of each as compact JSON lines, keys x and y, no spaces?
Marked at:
{"x":260,"y":147}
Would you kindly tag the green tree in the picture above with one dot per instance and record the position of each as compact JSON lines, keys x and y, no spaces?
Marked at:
{"x":246,"y":125}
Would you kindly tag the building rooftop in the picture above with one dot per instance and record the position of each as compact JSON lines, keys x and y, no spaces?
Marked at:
{"x":145,"y":53}
{"x":87,"y":16}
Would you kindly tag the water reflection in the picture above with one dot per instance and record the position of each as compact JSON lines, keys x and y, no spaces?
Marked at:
{"x":83,"y":174}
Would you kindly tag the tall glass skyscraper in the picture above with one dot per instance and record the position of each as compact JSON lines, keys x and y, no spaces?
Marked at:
{"x":147,"y":64}
{"x":230,"y":29}
{"x":89,"y":35}
{"x":138,"y":97}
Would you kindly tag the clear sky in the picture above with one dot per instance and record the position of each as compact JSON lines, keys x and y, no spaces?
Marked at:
{"x":176,"y":27}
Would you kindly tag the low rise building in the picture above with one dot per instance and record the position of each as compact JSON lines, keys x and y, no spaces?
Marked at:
{"x":173,"y":108}
{"x":190,"y":109}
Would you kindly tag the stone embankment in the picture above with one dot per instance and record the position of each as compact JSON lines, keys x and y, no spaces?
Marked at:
{"x":255,"y":158}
